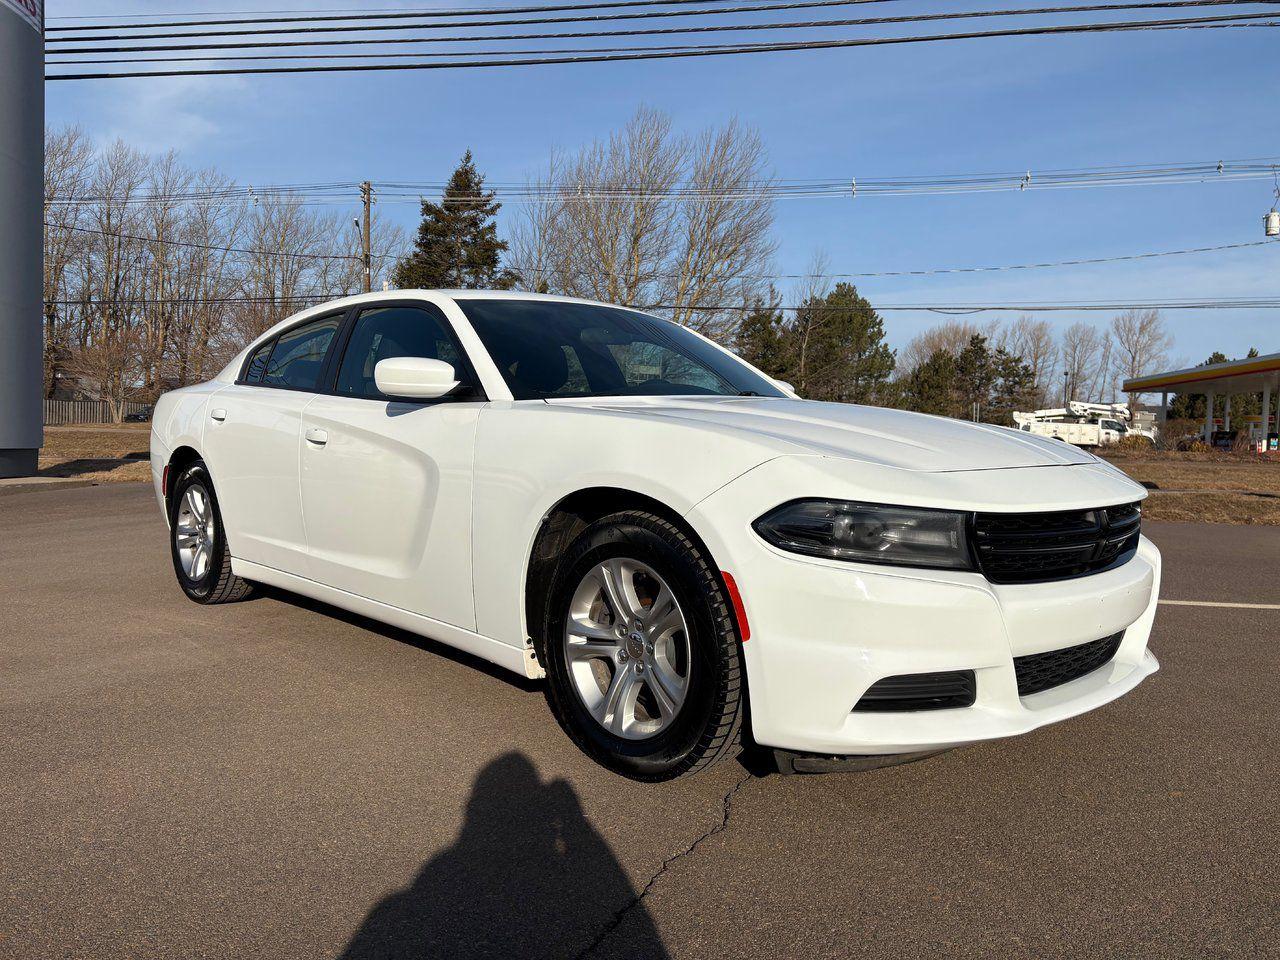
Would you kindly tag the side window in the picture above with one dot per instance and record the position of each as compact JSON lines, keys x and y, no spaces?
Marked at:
{"x":299,"y":355}
{"x":258,"y":363}
{"x":381,"y":333}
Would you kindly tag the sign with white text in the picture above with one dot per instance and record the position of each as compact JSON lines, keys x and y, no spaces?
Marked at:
{"x":31,"y":11}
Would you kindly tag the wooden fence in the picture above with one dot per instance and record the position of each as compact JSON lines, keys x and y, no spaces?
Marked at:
{"x":60,"y":412}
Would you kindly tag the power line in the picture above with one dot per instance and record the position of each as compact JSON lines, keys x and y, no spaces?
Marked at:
{"x":350,"y":27}
{"x":723,"y":51}
{"x":214,"y":13}
{"x":197,"y":301}
{"x":662,"y":14}
{"x":1145,"y":174}
{"x":714,"y":28}
{"x":203,"y":246}
{"x":391,"y":55}
{"x":936,"y":271}
{"x":527,"y":271}
{"x":537,"y":271}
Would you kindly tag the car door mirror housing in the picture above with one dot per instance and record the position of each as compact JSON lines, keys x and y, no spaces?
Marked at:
{"x":785,"y":386}
{"x":415,"y":378}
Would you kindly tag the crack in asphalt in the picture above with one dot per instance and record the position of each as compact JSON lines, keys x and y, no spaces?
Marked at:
{"x":616,"y":921}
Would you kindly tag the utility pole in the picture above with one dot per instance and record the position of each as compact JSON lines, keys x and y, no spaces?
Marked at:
{"x":366,"y":194}
{"x":21,"y":236}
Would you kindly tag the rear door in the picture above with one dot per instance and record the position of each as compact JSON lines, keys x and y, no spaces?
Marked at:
{"x":386,"y":484}
{"x":251,"y":444}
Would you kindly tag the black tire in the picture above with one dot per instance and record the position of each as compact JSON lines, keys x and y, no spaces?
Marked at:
{"x":215,"y":583}
{"x":708,"y":727}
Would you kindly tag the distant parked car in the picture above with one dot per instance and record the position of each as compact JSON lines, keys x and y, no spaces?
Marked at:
{"x":690,"y":554}
{"x":142,"y":416}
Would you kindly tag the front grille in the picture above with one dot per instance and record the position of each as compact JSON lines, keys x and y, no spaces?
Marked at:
{"x":1036,"y":547}
{"x":920,"y":691}
{"x":1043,"y":671}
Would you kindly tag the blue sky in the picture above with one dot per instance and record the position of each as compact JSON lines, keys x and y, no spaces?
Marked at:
{"x":961,"y":107}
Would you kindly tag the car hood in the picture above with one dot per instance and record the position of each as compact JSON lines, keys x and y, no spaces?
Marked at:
{"x":893,"y":438}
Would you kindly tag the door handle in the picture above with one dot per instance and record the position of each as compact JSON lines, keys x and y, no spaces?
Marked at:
{"x":218,"y":414}
{"x":317,"y":436}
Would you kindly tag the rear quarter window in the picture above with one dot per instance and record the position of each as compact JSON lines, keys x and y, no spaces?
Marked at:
{"x":257,"y":363}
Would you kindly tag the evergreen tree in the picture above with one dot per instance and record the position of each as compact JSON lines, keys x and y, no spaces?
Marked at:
{"x":931,"y":386}
{"x":457,"y":243}
{"x":975,"y":376}
{"x":838,"y":342}
{"x":1015,"y":388}
{"x":990,"y":383}
{"x":761,"y":338}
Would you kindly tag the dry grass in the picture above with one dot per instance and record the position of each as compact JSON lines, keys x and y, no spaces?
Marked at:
{"x":1206,"y":486}
{"x":93,"y":440}
{"x":112,"y":453}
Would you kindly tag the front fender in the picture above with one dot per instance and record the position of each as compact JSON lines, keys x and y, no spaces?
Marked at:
{"x":522,"y":472}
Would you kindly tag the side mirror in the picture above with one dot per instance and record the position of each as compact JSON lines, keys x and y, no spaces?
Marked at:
{"x":785,"y":386}
{"x":414,"y":378}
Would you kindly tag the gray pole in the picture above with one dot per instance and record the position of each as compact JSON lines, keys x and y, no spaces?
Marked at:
{"x":21,"y":235}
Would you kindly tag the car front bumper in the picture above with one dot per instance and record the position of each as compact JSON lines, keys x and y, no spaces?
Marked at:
{"x":823,"y":631}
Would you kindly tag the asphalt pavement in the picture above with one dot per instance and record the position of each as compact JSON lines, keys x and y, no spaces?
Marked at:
{"x":279,"y":779}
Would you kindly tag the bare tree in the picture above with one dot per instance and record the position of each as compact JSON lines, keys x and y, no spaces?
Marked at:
{"x":111,"y":280}
{"x":162,"y":226}
{"x":285,"y":243}
{"x":206,"y":280}
{"x":951,"y":336}
{"x":1141,"y":342}
{"x":813,"y":288}
{"x":1104,"y":385}
{"x":155,"y":274}
{"x":1032,"y":340}
{"x":68,"y":159}
{"x":1081,"y":353}
{"x":654,"y":219}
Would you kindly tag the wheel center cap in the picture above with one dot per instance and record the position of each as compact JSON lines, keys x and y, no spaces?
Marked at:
{"x":635,"y":646}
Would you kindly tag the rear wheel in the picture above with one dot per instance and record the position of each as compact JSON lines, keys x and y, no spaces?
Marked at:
{"x":642,"y":658}
{"x":198,"y":542}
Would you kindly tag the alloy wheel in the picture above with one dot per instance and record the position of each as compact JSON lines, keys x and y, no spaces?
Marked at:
{"x":194,"y":532}
{"x":626,"y":644}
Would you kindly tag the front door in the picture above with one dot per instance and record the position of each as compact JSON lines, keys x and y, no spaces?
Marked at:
{"x":251,"y":445}
{"x":386,"y":484}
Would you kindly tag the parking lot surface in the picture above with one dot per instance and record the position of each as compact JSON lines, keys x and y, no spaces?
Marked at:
{"x":280,"y":779}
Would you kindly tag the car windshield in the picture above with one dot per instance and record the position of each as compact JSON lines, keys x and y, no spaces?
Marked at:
{"x":547,"y":349}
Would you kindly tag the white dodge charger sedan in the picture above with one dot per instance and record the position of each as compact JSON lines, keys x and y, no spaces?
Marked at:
{"x":686,"y":551}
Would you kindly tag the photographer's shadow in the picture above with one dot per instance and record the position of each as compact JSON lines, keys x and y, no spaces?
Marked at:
{"x":527,"y":877}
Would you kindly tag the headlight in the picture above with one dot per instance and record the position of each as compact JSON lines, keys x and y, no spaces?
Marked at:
{"x":869,"y":533}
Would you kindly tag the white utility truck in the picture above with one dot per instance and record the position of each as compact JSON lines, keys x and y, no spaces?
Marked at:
{"x":1088,"y":424}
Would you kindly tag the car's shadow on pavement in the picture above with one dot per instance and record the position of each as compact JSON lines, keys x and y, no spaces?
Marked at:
{"x":528,"y":876}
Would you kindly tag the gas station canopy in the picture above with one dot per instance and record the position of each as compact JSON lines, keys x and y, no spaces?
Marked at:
{"x":1251,"y":375}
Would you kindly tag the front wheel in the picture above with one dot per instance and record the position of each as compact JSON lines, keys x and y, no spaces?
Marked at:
{"x":643,"y":664}
{"x":198,"y":541}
